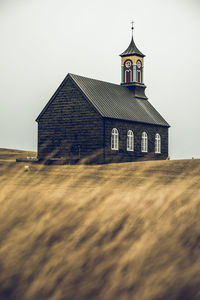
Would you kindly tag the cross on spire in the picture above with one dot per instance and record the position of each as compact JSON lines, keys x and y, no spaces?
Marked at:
{"x":132,"y":27}
{"x":132,"y":24}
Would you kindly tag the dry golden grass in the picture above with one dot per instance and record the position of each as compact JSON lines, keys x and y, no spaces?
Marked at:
{"x":11,"y":154}
{"x":119,"y":231}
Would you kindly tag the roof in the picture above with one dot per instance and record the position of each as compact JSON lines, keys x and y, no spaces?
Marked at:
{"x":132,"y":50}
{"x":114,"y":101}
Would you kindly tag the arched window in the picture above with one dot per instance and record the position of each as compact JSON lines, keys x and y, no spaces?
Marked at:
{"x":139,"y":71}
{"x":128,"y":71}
{"x":157,"y":143}
{"x":130,"y":141}
{"x":114,"y":139}
{"x":144,"y":142}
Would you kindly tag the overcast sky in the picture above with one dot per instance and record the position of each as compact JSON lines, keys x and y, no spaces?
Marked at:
{"x":43,"y":40}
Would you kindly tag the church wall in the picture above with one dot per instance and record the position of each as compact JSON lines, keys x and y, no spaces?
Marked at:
{"x":70,"y":127}
{"x":122,"y":155}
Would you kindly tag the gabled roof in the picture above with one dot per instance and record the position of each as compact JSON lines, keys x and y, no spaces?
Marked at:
{"x":113,"y":101}
{"x":132,"y":50}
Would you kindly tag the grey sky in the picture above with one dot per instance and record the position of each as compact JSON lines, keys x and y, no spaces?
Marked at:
{"x":43,"y":40}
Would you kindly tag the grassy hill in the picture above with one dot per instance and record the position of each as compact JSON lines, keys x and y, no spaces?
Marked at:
{"x":12,"y":154}
{"x":118,"y":231}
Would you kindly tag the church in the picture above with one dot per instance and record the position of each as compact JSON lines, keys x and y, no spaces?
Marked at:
{"x":101,"y":122}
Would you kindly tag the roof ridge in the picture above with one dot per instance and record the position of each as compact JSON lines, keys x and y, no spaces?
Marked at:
{"x":71,"y":75}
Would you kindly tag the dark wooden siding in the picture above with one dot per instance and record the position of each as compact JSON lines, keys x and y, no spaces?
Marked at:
{"x":70,"y":126}
{"x":122,"y":155}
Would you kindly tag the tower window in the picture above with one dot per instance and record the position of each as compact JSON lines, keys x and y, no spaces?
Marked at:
{"x":114,"y":139}
{"x":144,"y":142}
{"x":139,"y":71}
{"x":128,"y":71}
{"x":157,"y":143}
{"x":130,"y":141}
{"x":139,"y":75}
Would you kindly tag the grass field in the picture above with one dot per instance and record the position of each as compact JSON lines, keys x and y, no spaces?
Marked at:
{"x":12,"y":155}
{"x":118,"y":231}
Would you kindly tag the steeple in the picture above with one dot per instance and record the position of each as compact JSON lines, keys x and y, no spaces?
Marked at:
{"x":132,"y":50}
{"x":132,"y":69}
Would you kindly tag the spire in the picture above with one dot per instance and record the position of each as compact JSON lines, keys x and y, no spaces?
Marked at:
{"x":132,"y":49}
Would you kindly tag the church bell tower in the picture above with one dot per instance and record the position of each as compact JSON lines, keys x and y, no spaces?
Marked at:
{"x":132,"y":69}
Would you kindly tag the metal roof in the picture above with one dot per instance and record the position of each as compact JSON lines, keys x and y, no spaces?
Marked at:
{"x":116,"y":101}
{"x":132,"y":50}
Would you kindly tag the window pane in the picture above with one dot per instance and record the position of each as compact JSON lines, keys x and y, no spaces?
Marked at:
{"x":114,"y":139}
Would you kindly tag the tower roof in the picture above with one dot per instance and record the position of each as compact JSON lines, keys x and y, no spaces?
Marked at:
{"x":132,"y":50}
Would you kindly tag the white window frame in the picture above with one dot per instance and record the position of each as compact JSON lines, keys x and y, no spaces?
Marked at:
{"x":130,"y":140}
{"x":144,"y":142}
{"x":114,"y":139}
{"x":157,"y":143}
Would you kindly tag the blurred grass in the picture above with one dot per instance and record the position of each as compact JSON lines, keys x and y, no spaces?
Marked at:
{"x":118,"y":231}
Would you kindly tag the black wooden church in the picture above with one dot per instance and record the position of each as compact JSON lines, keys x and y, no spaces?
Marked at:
{"x":102,"y":121}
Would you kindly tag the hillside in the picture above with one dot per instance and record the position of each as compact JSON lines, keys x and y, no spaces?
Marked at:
{"x":118,"y":231}
{"x":13,"y":154}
